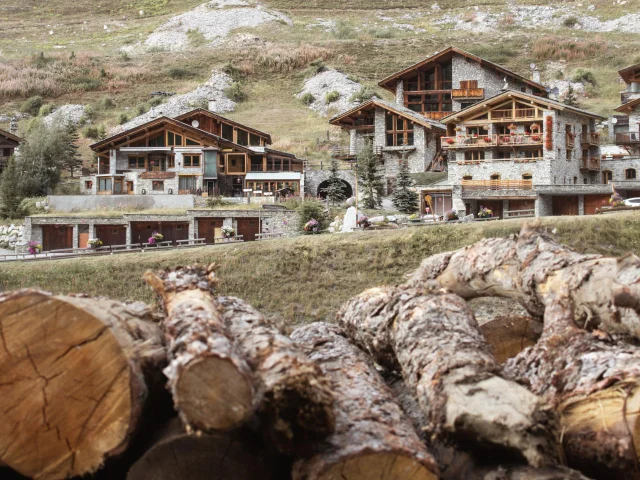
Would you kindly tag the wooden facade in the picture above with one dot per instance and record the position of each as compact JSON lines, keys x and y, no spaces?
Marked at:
{"x":171,"y":231}
{"x":57,"y":237}
{"x":209,"y":229}
{"x":248,"y":228}
{"x":112,"y":234}
{"x":8,"y":143}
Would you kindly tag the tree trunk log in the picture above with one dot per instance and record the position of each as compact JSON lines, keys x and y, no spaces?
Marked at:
{"x":508,"y":336}
{"x":605,"y":292}
{"x":436,"y":343}
{"x":74,"y":376}
{"x":211,"y":383}
{"x":372,"y":439}
{"x":594,"y":383}
{"x":297,"y":401}
{"x":177,"y":454}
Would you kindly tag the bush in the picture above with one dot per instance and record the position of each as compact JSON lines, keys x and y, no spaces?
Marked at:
{"x":142,"y":108}
{"x":105,"y":103}
{"x":365,"y":93}
{"x":316,"y":67}
{"x":94,"y":132}
{"x":585,"y":76}
{"x":196,"y":37}
{"x":344,"y":30}
{"x":32,"y":105}
{"x":178,"y":73}
{"x":200,"y":103}
{"x":46,"y":109}
{"x":309,"y":209}
{"x":155,"y":101}
{"x":307,"y":99}
{"x":67,"y":188}
{"x":570,"y":22}
{"x":123,"y":118}
{"x":236,"y":92}
{"x":217,"y":201}
{"x":236,"y":74}
{"x":331,"y":97}
{"x":382,"y":32}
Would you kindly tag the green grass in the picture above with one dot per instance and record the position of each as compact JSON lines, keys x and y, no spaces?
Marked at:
{"x":307,"y":278}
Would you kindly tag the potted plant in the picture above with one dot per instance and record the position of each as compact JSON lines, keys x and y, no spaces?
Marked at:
{"x":94,"y":243}
{"x":228,"y":231}
{"x":34,"y":247}
{"x":450,"y":141}
{"x":535,"y":138}
{"x":485,"y":212}
{"x":487,"y":139}
{"x":311,"y":226}
{"x":451,"y":215}
{"x":155,"y":237}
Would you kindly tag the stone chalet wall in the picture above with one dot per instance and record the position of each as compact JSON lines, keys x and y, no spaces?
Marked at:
{"x":619,"y":167}
{"x":71,"y":203}
{"x":313,"y":179}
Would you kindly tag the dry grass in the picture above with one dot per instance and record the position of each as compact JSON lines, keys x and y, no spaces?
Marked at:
{"x":307,"y":278}
{"x":285,"y":59}
{"x":571,"y":50}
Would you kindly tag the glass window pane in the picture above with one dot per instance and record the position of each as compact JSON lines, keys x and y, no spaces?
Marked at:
{"x":389,"y":121}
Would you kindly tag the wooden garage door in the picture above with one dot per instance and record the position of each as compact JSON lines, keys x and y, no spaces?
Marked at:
{"x":56,"y":237}
{"x":565,"y":205}
{"x":591,"y":202}
{"x":207,"y":228}
{"x":171,"y":231}
{"x":248,"y":228}
{"x":112,"y":234}
{"x":494,"y":205}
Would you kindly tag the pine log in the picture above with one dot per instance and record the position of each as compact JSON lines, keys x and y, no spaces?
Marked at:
{"x":508,"y":336}
{"x":211,"y":383}
{"x":74,"y":377}
{"x":605,"y":292}
{"x":593,"y":381}
{"x":372,"y":438}
{"x":177,"y":454}
{"x":297,"y":402}
{"x":434,"y":340}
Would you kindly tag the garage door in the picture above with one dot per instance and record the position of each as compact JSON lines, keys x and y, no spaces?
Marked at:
{"x":112,"y":234}
{"x":209,"y":228}
{"x":57,"y":237}
{"x":248,"y":228}
{"x":591,"y":202}
{"x":565,"y":206}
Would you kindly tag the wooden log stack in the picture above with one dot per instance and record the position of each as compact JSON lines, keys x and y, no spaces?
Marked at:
{"x":405,"y":385}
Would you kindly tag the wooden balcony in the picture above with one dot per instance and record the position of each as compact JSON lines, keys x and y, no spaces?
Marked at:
{"x":436,"y":115}
{"x":511,"y":114}
{"x":590,"y":138}
{"x":590,"y":164}
{"x":485,"y":141}
{"x":570,"y":141}
{"x":628,"y":138}
{"x":468,"y":93}
{"x":497,"y":184}
{"x":347,"y":153}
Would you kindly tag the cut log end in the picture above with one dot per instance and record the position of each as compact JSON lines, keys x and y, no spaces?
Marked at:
{"x":382,"y":466}
{"x":65,"y":384}
{"x":212,"y":393}
{"x":508,"y":336}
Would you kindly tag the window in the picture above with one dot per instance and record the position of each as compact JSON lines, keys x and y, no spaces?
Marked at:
{"x":171,"y":161}
{"x":502,"y":155}
{"x":242,"y":137}
{"x":104,"y":184}
{"x":254,"y":140}
{"x":187,"y":183}
{"x":227,"y":132}
{"x":467,"y":177}
{"x":495,"y":176}
{"x":173,"y":139}
{"x":575,"y":180}
{"x":607,"y":176}
{"x":88,"y":185}
{"x":630,"y":173}
{"x":157,"y":141}
{"x":191,"y":142}
{"x":533,"y":154}
{"x":136,"y":162}
{"x":191,"y":160}
{"x":474,"y":155}
{"x":399,"y":131}
{"x":157,"y":186}
{"x":527,"y":176}
{"x":221,"y":162}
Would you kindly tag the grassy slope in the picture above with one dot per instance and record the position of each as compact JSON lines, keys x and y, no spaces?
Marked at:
{"x":308,"y":278}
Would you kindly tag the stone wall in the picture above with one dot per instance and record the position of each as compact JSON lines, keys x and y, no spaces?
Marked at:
{"x":619,"y":167}
{"x":71,"y":203}
{"x":313,"y":179}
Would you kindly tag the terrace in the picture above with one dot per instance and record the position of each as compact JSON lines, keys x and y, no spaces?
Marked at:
{"x":484,"y":141}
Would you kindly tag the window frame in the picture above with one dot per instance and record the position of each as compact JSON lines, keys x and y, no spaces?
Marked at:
{"x":190,"y":162}
{"x":134,"y":162}
{"x":157,"y":182}
{"x":404,"y":132}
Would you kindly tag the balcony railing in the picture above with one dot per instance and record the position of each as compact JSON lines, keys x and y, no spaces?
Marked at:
{"x":471,"y":93}
{"x":348,"y":153}
{"x":590,"y":163}
{"x":471,"y":141}
{"x":570,"y":140}
{"x":590,"y":138}
{"x":628,"y":138}
{"x":510,"y":114}
{"x":497,"y":184}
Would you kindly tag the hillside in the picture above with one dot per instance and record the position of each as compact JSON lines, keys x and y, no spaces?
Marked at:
{"x":110,"y":55}
{"x":308,"y":278}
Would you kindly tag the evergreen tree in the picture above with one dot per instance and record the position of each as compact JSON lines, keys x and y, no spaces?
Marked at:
{"x":370,"y":177}
{"x":335,"y":189}
{"x":10,"y":196}
{"x":72,"y":159}
{"x":405,"y":199}
{"x":571,"y":98}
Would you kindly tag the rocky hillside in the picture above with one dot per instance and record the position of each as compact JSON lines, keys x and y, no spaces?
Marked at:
{"x":284,"y":66}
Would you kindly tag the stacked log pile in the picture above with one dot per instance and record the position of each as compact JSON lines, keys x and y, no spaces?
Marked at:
{"x":405,"y":385}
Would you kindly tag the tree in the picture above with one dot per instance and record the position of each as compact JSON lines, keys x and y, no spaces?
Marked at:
{"x":571,"y":98}
{"x":10,"y":196}
{"x":72,"y":159}
{"x":370,"y":177}
{"x":405,"y":199}
{"x":335,"y":189}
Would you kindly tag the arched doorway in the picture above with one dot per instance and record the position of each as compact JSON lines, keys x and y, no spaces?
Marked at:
{"x":346,"y":189}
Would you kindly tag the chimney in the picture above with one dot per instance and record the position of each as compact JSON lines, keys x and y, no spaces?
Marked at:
{"x":535,"y":75}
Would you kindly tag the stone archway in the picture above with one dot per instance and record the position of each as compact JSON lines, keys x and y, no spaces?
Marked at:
{"x":346,"y":189}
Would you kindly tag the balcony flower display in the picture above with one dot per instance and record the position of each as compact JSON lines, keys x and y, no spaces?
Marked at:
{"x":451,"y":215}
{"x":616,"y":200}
{"x":485,"y":212}
{"x":94,"y":243}
{"x":228,"y":232}
{"x":487,"y":139}
{"x":34,"y":247}
{"x":450,"y":141}
{"x":535,"y":138}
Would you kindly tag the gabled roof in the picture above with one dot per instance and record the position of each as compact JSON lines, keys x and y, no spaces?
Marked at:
{"x":202,"y":111}
{"x":389,"y":82}
{"x":630,"y":74}
{"x":627,"y":107}
{"x":10,"y":136}
{"x":391,"y":107}
{"x":501,"y":97}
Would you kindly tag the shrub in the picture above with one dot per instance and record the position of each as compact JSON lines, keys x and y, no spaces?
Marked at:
{"x":40,"y":61}
{"x":178,"y":73}
{"x":46,"y":109}
{"x":217,"y":201}
{"x":142,"y":108}
{"x":344,"y":30}
{"x":125,"y":56}
{"x":365,"y":93}
{"x":309,"y":209}
{"x":236,"y":74}
{"x":585,"y":76}
{"x":316,"y":67}
{"x":382,"y":32}
{"x":32,"y":105}
{"x":570,"y":22}
{"x":196,"y":37}
{"x":199,"y":103}
{"x":279,"y":59}
{"x":155,"y":101}
{"x":555,"y":48}
{"x":307,"y":99}
{"x":236,"y":92}
{"x":105,"y":103}
{"x":90,"y":131}
{"x":332,"y":96}
{"x":123,"y":118}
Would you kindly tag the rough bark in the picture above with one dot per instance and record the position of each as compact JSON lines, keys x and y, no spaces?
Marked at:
{"x":372,"y":439}
{"x":297,"y":401}
{"x":177,"y":454}
{"x":74,"y":376}
{"x":593,"y":381}
{"x":212,"y":386}
{"x":434,"y":340}
{"x":605,"y":292}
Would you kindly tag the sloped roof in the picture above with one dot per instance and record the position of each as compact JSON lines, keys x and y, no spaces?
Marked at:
{"x":627,"y":107}
{"x":209,"y":113}
{"x":554,"y":104}
{"x":389,"y":82}
{"x":10,"y":136}
{"x":629,"y":74}
{"x":392,"y":107}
